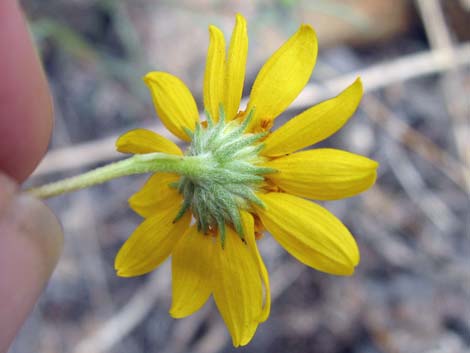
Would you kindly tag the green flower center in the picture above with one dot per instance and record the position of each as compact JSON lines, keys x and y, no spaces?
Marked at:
{"x":227,"y":177}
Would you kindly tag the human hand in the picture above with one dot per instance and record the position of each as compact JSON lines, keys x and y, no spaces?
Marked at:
{"x":30,"y":235}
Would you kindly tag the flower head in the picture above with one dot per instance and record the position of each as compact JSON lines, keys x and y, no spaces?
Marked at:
{"x":239,"y":179}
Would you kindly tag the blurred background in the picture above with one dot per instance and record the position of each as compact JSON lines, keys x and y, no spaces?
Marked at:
{"x":411,"y":292}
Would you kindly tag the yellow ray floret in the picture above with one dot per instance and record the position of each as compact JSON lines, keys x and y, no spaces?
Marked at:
{"x":310,"y":233}
{"x":248,"y":226}
{"x":215,"y":73}
{"x":156,"y":195}
{"x":282,"y":77}
{"x":235,"y":68}
{"x":192,"y":268}
{"x":323,"y":174}
{"x":238,"y":291}
{"x":151,"y":243}
{"x":173,"y":102}
{"x":315,"y":124}
{"x":145,"y":141}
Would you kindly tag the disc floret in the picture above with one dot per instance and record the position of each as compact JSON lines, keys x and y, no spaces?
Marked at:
{"x":228,"y":175}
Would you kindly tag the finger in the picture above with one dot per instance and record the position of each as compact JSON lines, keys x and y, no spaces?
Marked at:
{"x":30,"y":245}
{"x":25,"y":103}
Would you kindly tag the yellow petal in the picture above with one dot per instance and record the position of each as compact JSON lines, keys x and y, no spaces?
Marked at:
{"x":249,"y":231}
{"x":156,"y":195}
{"x":151,"y":243}
{"x":323,"y":174}
{"x":173,"y":102}
{"x":215,"y":72}
{"x":191,"y":268}
{"x":238,"y":292}
{"x":145,"y":141}
{"x":310,"y":233}
{"x":314,"y":124}
{"x":235,"y":69}
{"x":282,"y":77}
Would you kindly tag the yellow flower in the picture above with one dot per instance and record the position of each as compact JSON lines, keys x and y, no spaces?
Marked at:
{"x":240,"y":179}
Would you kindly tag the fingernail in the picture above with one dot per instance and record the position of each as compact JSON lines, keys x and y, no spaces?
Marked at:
{"x":36,"y":222}
{"x":8,"y":187}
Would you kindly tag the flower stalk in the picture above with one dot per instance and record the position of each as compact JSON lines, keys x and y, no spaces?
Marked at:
{"x":137,"y":164}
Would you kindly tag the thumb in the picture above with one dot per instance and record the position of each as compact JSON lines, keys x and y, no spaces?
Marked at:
{"x":30,"y":245}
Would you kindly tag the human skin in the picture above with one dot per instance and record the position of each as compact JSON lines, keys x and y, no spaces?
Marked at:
{"x":30,"y":235}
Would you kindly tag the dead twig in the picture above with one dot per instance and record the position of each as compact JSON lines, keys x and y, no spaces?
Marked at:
{"x":451,"y":84}
{"x":374,"y":77}
{"x":434,"y":23}
{"x":410,"y":137}
{"x":123,"y":322}
{"x":389,"y":72}
{"x":413,"y":184}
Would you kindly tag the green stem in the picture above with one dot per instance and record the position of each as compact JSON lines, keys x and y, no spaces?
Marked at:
{"x":137,"y":164}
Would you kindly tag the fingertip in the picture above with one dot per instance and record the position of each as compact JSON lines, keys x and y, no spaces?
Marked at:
{"x":25,"y":102}
{"x":31,"y":242}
